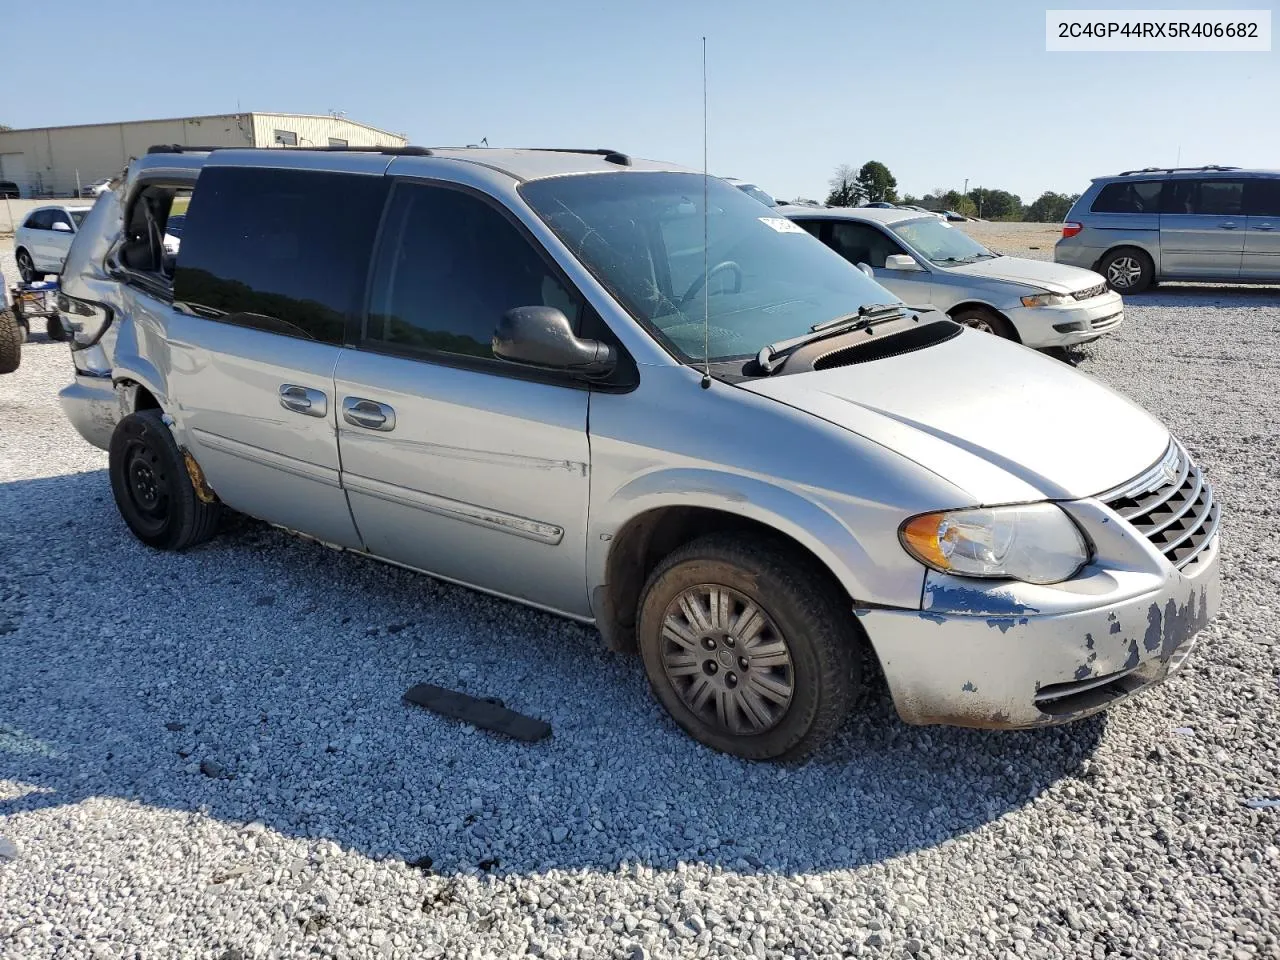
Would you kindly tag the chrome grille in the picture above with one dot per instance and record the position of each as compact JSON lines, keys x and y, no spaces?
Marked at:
{"x":1092,"y":292}
{"x":1172,"y":505}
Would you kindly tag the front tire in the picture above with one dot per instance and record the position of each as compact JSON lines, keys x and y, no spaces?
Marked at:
{"x":1127,"y":270}
{"x":27,"y":268}
{"x":988,"y":321}
{"x":152,"y":488}
{"x":748,"y":647}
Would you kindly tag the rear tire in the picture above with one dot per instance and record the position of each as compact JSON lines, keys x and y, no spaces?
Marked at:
{"x":988,"y":321}
{"x":1127,"y":270}
{"x":748,"y":646}
{"x":27,"y":267}
{"x":10,"y":342}
{"x":152,"y":488}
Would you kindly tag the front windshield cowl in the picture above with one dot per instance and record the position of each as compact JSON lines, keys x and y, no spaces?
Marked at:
{"x":757,"y":279}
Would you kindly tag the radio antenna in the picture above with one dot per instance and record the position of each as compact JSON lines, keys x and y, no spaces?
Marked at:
{"x":706,"y":264}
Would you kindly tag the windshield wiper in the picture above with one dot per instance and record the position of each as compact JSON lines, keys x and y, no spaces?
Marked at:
{"x":772,"y":356}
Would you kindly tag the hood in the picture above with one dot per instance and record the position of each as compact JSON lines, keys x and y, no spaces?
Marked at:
{"x":1045,"y":274}
{"x":1000,"y":421}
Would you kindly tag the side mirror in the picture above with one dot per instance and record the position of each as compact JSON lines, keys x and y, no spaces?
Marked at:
{"x":61,"y":227}
{"x":865,"y":268}
{"x":543,"y":337}
{"x":901,"y":261}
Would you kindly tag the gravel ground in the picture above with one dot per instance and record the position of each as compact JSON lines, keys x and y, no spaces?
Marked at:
{"x":205,"y":755}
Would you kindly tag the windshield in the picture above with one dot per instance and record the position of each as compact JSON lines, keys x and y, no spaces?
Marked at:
{"x":78,"y":216}
{"x":641,"y":236}
{"x":939,"y":242}
{"x":751,"y":190}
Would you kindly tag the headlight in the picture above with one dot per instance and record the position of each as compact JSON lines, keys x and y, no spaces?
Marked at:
{"x":1035,"y":542}
{"x":1046,"y":300}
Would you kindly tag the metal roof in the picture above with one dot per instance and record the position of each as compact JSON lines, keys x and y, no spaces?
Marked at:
{"x":522,"y":164}
{"x":207,"y":116}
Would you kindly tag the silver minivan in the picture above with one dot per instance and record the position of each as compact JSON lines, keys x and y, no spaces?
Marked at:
{"x":526,"y":372}
{"x":1207,"y":224}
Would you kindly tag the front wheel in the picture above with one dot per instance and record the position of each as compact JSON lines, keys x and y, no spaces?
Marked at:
{"x":988,"y":321}
{"x":748,"y":648}
{"x":152,"y":488}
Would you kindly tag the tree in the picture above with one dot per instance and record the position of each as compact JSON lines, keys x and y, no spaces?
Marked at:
{"x":996,"y":204}
{"x":1050,"y":207}
{"x":845,"y":191}
{"x":957,"y":201}
{"x":877,"y":183}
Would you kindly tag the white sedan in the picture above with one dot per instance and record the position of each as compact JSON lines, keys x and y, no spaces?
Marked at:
{"x":41,"y":243}
{"x":922,"y":259}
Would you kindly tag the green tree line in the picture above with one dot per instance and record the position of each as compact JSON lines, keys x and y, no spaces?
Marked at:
{"x":874,"y":182}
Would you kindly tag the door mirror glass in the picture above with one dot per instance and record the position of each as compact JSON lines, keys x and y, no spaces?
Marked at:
{"x":900,"y":261}
{"x":543,"y":337}
{"x":61,"y":227}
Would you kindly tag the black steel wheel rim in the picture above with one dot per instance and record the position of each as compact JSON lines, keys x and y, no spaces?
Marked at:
{"x":147,"y":484}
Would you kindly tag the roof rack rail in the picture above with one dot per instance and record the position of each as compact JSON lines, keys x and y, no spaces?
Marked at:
{"x":610,"y":156}
{"x":407,"y":151}
{"x":1211,"y":166}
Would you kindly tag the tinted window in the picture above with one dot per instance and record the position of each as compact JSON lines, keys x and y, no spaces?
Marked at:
{"x":449,"y":265}
{"x":78,"y":216}
{"x":1125,"y":196}
{"x":861,"y":243}
{"x":282,"y":250}
{"x":1262,"y":197}
{"x":1211,"y":197}
{"x":58,"y":216}
{"x":40,"y":220}
{"x":812,"y":226}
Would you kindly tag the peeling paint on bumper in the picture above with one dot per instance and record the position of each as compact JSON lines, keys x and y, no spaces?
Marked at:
{"x":1007,"y":663}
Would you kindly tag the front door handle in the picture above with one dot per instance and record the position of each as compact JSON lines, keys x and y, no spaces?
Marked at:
{"x":1264,"y":226}
{"x":368,"y":414}
{"x":304,"y":400}
{"x":1229,"y":225}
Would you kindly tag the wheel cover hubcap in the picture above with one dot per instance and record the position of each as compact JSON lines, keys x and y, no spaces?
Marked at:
{"x":1124,"y":271}
{"x":25,"y":267}
{"x":727,"y":660}
{"x":978,"y":323}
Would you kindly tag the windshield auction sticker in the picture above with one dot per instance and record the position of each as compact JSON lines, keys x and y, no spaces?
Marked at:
{"x":1164,"y":31}
{"x":781,"y":224}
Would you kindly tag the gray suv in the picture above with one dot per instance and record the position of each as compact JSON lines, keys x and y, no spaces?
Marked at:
{"x":527,"y":371}
{"x":1211,"y":224}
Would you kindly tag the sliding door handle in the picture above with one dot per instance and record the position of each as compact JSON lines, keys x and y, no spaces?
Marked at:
{"x":368,"y":414}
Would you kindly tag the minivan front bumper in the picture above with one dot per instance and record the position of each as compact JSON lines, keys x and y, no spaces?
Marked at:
{"x":981,"y":658}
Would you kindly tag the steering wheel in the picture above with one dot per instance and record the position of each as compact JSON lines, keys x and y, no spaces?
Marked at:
{"x":704,"y":278}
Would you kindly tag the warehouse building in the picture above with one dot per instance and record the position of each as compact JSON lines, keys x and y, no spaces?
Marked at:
{"x":58,"y":161}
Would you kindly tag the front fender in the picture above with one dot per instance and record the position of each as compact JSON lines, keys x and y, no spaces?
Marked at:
{"x":871,"y":565}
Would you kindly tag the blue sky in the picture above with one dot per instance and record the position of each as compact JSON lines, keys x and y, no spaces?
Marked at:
{"x":939,"y":91}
